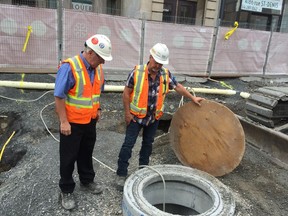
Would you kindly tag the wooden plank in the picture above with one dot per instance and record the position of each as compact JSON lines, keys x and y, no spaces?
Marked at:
{"x":275,"y":92}
{"x":259,"y":109}
{"x":269,"y":102}
{"x":261,"y":119}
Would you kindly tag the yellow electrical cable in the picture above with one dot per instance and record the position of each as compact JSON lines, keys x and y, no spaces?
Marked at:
{"x":2,"y":150}
{"x":222,"y":83}
{"x":27,"y":38}
{"x":229,"y":33}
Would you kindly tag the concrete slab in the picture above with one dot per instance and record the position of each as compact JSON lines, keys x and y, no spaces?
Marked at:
{"x":250,"y":79}
{"x":196,"y":79}
{"x":180,"y":78}
{"x":116,"y":77}
{"x":271,"y":79}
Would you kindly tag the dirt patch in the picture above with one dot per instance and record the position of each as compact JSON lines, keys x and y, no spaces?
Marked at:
{"x":259,"y":184}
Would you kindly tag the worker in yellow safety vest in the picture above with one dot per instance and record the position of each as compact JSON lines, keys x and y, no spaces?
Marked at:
{"x":143,"y":99}
{"x":78,"y":86}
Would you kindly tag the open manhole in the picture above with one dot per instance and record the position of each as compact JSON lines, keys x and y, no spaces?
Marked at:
{"x":166,"y":190}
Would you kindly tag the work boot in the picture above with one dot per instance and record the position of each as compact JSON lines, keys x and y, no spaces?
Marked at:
{"x":92,"y":187}
{"x":67,"y":200}
{"x":120,"y":181}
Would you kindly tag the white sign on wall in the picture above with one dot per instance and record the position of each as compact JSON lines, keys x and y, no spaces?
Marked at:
{"x":259,"y":5}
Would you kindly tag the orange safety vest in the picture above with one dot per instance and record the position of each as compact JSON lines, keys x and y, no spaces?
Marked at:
{"x":83,"y":100}
{"x":139,"y":96}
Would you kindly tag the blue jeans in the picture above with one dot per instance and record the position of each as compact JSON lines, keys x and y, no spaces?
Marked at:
{"x":132,"y":132}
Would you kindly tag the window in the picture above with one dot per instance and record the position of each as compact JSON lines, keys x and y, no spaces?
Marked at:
{"x":114,"y":7}
{"x":31,"y":3}
{"x":179,"y":11}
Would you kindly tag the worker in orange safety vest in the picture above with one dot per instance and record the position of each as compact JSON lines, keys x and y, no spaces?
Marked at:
{"x":143,"y":98}
{"x":78,"y":86}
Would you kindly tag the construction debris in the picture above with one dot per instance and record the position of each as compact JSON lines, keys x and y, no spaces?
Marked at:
{"x":268,"y":106}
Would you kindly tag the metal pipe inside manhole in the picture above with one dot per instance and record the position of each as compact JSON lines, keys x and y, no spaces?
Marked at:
{"x":185,"y":191}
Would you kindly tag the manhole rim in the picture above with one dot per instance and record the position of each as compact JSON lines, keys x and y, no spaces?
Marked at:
{"x":134,"y":202}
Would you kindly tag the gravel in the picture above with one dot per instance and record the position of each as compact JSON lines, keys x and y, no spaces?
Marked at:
{"x":29,"y":181}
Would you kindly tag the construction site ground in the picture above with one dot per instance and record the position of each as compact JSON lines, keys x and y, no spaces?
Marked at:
{"x":29,"y":169}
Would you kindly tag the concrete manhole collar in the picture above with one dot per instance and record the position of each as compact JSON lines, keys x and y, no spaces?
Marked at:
{"x":185,"y":191}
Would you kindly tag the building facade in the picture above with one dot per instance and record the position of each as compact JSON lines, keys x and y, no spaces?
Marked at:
{"x":266,"y":15}
{"x":257,"y":14}
{"x":199,"y":12}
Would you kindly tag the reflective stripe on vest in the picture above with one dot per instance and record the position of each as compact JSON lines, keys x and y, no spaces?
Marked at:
{"x":79,"y":86}
{"x":139,"y":77}
{"x":139,"y":97}
{"x":163,"y":90}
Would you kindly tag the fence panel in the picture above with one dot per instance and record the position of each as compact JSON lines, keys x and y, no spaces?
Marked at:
{"x":247,"y":52}
{"x":41,"y":49}
{"x":124,"y":33}
{"x":189,"y":46}
{"x":278,"y":55}
{"x":244,"y":53}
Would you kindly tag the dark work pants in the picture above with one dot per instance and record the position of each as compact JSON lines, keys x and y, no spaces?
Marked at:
{"x":77,"y":147}
{"x":132,"y":132}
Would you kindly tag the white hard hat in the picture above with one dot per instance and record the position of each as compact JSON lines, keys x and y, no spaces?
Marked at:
{"x":160,"y":53}
{"x":101,"y":45}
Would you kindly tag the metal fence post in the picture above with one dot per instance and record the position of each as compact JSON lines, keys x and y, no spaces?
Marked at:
{"x":60,"y":29}
{"x":142,"y":42}
{"x":213,"y":47}
{"x":268,"y":48}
